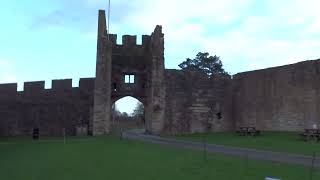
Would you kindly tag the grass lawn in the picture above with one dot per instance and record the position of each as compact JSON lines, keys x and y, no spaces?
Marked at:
{"x":108,"y":157}
{"x":273,"y":141}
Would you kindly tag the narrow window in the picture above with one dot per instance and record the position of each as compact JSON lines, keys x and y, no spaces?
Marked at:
{"x":114,"y":87}
{"x":126,"y":78}
{"x":131,"y":78}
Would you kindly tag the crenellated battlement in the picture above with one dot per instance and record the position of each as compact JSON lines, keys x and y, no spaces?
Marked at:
{"x":62,"y":85}
{"x":8,"y":92}
{"x":129,"y":45}
{"x":51,"y":110}
{"x":130,"y":40}
{"x":8,"y":88}
{"x":36,"y":89}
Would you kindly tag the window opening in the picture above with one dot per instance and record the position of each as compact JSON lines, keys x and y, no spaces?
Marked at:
{"x":129,"y":78}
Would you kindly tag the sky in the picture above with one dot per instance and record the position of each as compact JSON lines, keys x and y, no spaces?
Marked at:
{"x":56,"y":39}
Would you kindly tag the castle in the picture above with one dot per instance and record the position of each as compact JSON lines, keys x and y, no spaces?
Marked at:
{"x":285,"y":98}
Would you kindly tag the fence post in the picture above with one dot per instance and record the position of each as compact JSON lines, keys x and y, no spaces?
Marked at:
{"x":204,"y":147}
{"x":312,"y":165}
{"x":64,"y":135}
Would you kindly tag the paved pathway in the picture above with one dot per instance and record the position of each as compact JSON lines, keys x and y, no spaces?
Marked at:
{"x":227,"y":150}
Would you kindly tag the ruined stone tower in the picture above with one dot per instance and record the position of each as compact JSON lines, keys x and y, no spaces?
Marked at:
{"x":144,"y":64}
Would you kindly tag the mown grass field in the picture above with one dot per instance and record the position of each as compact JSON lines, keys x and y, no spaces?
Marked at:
{"x":274,"y":141}
{"x":101,"y":158}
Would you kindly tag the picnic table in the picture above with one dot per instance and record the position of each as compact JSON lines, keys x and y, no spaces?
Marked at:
{"x":310,"y":134}
{"x":248,"y":131}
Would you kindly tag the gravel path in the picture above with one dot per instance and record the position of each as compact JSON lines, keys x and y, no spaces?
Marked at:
{"x":294,"y":159}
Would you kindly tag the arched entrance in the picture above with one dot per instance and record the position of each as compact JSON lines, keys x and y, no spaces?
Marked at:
{"x":127,"y":114}
{"x":129,"y":69}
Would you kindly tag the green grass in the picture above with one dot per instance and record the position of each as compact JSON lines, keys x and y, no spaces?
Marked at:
{"x":104,"y":158}
{"x":274,"y":141}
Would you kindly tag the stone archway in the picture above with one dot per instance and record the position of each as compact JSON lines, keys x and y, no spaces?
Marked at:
{"x":129,"y":70}
{"x":128,"y":113}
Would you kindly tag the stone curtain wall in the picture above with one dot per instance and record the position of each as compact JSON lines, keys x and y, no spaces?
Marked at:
{"x":210,"y":97}
{"x":285,"y":98}
{"x":189,"y":98}
{"x":49,"y":109}
{"x":177,"y":100}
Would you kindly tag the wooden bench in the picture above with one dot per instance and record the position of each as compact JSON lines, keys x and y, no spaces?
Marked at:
{"x":248,"y":131}
{"x":310,"y":134}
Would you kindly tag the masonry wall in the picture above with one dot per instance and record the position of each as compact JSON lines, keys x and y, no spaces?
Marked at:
{"x":177,"y":101}
{"x":285,"y":98}
{"x":193,"y":102}
{"x":51,"y":110}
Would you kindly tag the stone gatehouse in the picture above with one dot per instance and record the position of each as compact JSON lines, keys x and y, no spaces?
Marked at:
{"x":285,"y":98}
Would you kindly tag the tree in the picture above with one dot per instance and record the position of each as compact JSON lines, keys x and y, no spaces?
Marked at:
{"x":139,"y":110}
{"x":138,"y":113}
{"x":124,"y":115}
{"x":209,"y":65}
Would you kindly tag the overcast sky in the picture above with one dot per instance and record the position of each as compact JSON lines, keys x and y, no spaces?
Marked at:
{"x":56,"y":39}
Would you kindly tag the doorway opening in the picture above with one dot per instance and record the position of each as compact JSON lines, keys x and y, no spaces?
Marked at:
{"x":128,"y":113}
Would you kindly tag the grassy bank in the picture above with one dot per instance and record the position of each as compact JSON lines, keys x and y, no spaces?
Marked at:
{"x":112,"y":158}
{"x":274,"y":141}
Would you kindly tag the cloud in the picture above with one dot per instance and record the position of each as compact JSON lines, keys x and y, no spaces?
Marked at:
{"x":286,"y":32}
{"x":242,"y":52}
{"x":245,"y":40}
{"x":173,"y":13}
{"x":79,"y":15}
{"x":185,"y":22}
{"x":62,"y":18}
{"x":54,"y":18}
